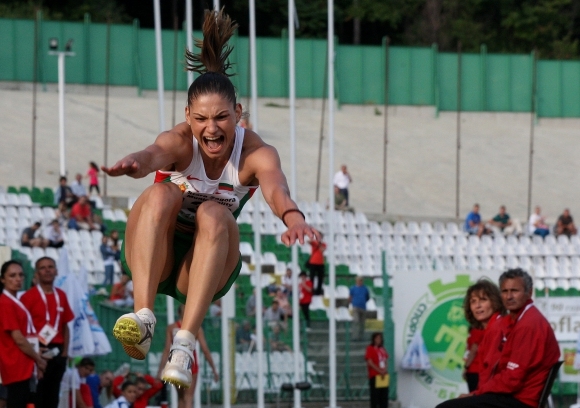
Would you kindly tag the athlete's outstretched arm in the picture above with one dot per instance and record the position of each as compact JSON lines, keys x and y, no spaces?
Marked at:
{"x":277,"y":194}
{"x":167,"y":149}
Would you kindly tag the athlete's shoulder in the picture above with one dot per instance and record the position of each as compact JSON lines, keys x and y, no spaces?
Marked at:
{"x":255,"y":146}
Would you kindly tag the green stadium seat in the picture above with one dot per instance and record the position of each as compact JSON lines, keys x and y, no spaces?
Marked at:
{"x":120,"y":226}
{"x":24,"y":190}
{"x":12,"y":189}
{"x":245,"y":228}
{"x":36,"y":195}
{"x":48,"y":197}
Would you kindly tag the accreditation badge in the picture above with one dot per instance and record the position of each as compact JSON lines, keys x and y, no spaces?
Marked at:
{"x":46,"y":334}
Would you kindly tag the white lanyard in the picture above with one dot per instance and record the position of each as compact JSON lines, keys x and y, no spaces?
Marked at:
{"x":58,"y":309}
{"x":30,"y":328}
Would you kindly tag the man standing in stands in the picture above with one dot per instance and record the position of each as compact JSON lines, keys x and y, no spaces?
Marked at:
{"x":341,"y":180}
{"x":359,"y":296}
{"x":527,"y":350}
{"x":50,"y":313}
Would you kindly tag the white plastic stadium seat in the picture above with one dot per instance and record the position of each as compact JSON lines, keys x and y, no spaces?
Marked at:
{"x":13,"y":199}
{"x":25,"y":199}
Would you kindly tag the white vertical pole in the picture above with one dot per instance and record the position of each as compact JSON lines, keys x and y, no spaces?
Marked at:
{"x":61,"y":138}
{"x":253,"y":75}
{"x":330,"y":239}
{"x":161,"y":108}
{"x":159,"y":55}
{"x":189,"y":34}
{"x":199,"y":382}
{"x":295,"y":298}
{"x":259,"y":303}
{"x":216,"y":5}
{"x":228,"y":307}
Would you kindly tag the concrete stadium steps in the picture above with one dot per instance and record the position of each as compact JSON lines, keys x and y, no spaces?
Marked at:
{"x":356,"y":368}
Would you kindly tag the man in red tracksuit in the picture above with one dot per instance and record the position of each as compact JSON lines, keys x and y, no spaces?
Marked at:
{"x":527,"y":351}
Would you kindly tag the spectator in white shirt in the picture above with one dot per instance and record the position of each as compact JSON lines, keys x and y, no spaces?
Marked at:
{"x":77,"y":186}
{"x":54,"y":235}
{"x":537,"y":224}
{"x":341,"y":180}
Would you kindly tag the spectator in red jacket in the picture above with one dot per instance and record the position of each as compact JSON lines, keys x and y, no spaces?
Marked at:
{"x":528,"y":350}
{"x":482,"y":306}
{"x":305,"y":286}
{"x":18,"y":339}
{"x":147,"y":387}
{"x":81,"y":216}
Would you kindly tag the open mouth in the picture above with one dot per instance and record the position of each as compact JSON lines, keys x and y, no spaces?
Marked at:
{"x":214,"y":144}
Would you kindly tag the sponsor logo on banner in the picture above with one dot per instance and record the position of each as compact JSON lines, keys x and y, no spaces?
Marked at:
{"x":438,"y":315}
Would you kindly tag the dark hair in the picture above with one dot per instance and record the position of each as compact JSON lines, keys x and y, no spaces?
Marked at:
{"x":127,"y":384}
{"x":62,"y":178}
{"x":374,"y":336}
{"x":489,"y":289}
{"x":211,"y":62}
{"x":302,"y":273}
{"x":94,"y":166}
{"x":518,"y":273}
{"x":86,"y":362}
{"x":5,"y":267}
{"x":42,"y":259}
{"x":141,"y":380}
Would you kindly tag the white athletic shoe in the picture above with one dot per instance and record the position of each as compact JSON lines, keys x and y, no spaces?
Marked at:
{"x":177,"y":370}
{"x":135,"y":331}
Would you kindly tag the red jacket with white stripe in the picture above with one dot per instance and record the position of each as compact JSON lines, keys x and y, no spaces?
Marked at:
{"x":529,"y":350}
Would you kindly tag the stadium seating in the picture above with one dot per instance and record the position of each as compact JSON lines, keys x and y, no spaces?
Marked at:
{"x":358,"y":247}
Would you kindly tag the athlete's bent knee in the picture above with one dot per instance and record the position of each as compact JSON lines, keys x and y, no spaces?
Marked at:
{"x":163,"y":198}
{"x":213,"y":218}
{"x":168,"y":191}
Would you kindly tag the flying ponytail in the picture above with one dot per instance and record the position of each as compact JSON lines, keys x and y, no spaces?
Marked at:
{"x":218,"y":28}
{"x":212,"y":61}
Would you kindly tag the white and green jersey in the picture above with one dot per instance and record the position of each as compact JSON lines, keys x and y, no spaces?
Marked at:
{"x":197,"y":187}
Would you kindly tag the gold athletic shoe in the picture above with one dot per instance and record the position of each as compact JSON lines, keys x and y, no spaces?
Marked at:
{"x":135,"y":332}
{"x":177,"y":370}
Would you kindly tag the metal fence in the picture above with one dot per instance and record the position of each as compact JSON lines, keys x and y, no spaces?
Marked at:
{"x":416,"y":76}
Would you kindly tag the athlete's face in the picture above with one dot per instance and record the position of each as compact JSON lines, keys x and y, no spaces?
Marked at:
{"x":213,"y":122}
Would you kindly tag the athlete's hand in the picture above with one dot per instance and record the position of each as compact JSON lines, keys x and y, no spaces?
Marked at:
{"x":126,"y":166}
{"x":298,"y":231}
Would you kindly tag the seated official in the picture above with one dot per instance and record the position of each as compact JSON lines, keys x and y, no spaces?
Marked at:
{"x":525,"y":352}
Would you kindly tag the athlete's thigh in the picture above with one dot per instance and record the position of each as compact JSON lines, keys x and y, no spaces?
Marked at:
{"x":214,"y":221}
{"x":166,"y":198}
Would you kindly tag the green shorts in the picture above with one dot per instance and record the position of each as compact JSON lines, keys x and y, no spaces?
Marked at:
{"x":181,"y":245}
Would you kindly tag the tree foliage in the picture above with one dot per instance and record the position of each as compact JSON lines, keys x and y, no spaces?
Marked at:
{"x":550,"y":26}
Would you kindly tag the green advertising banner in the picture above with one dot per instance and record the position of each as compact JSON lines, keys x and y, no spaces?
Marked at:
{"x":431,"y":303}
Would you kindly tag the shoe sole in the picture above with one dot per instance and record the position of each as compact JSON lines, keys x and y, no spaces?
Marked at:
{"x":127,"y":331}
{"x":134,"y":352}
{"x":175,"y":382}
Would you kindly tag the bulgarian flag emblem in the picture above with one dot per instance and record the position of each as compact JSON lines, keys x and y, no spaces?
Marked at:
{"x":226,"y":187}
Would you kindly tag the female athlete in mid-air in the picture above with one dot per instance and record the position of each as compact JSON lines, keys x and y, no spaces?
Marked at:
{"x":182,"y":239}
